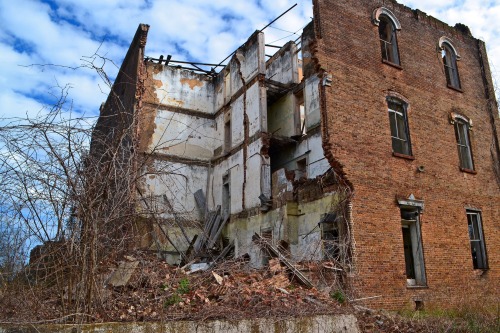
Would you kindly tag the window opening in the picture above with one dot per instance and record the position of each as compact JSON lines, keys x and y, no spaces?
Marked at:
{"x":450,"y":66}
{"x":301,"y":170}
{"x":301,"y":113}
{"x":412,"y":243}
{"x":477,"y":246}
{"x":226,"y":196}
{"x":463,"y":144}
{"x":330,"y":235}
{"x":227,"y":86}
{"x":267,"y":235}
{"x":388,"y":40}
{"x":227,"y":132}
{"x":399,"y":127}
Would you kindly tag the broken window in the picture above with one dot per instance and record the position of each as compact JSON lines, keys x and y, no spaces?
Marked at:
{"x":450,"y":65}
{"x":330,"y":235}
{"x":463,"y":144}
{"x":477,"y":247}
{"x":227,"y":85}
{"x":388,"y":40}
{"x":399,"y":126}
{"x":226,"y":196}
{"x":301,"y":170}
{"x":299,"y":98}
{"x":412,"y":243}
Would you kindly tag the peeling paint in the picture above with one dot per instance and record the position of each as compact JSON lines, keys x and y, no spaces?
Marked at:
{"x":192,"y":83}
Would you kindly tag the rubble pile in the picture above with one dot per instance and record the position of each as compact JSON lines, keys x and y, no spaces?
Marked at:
{"x":230,"y":290}
{"x":143,"y":287}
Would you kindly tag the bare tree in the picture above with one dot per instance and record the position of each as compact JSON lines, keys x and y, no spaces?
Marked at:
{"x":76,"y":205}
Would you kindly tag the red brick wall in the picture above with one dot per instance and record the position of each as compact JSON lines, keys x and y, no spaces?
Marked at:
{"x":358,"y":124}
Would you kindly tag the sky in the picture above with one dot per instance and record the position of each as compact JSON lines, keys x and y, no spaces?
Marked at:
{"x":49,"y":44}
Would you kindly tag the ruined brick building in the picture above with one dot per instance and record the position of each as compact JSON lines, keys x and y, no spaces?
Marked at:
{"x":377,"y":130}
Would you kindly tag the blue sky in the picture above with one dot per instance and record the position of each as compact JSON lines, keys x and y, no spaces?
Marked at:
{"x":64,"y":32}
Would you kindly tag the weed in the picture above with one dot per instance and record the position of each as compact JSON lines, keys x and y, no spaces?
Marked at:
{"x":338,"y":295}
{"x":172,"y":300}
{"x":183,"y":286}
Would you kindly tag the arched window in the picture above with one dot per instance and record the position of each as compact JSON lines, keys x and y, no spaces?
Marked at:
{"x":450,"y":57}
{"x":388,"y":24}
{"x":388,"y":41}
{"x":399,"y":126}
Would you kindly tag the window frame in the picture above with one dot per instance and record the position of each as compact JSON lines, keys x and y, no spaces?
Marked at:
{"x":462,"y":126}
{"x":228,"y":132}
{"x":481,"y":244}
{"x":403,"y":114}
{"x":383,"y":14}
{"x":413,"y":228}
{"x":450,"y":58}
{"x":389,"y":47}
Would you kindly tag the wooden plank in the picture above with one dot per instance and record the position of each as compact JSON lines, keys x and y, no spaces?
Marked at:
{"x":223,"y":254}
{"x":205,"y":235}
{"x":201,"y":201}
{"x":301,"y":277}
{"x":213,"y":233}
{"x":209,"y":226}
{"x":191,"y":246}
{"x":214,"y":238}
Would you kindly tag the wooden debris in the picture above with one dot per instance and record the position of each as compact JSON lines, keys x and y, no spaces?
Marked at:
{"x":274,"y":251}
{"x":123,"y":272}
{"x":201,"y":201}
{"x":218,"y":278}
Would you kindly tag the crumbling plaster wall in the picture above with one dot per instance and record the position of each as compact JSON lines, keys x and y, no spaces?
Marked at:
{"x":283,"y":115}
{"x":189,"y":150}
{"x":179,"y":134}
{"x":283,"y":67}
{"x":184,"y":89}
{"x":295,"y":223}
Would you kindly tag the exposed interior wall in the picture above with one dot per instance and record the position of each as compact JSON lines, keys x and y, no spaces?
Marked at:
{"x":184,"y":89}
{"x":238,"y":137}
{"x":295,"y":224}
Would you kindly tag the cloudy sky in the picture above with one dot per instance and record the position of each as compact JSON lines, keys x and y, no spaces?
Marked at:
{"x":61,"y":35}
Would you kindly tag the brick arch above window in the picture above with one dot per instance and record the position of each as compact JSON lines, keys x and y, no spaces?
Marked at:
{"x":457,"y":116}
{"x":394,"y":94}
{"x":445,"y":40}
{"x":385,"y":12}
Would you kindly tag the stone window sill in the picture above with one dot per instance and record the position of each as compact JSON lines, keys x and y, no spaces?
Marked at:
{"x":417,"y":287}
{"x":404,"y":156}
{"x":392,"y":64}
{"x":472,"y":172}
{"x":455,"y":88}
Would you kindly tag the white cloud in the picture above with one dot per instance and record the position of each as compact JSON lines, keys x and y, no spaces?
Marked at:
{"x":67,"y":30}
{"x":481,"y":16}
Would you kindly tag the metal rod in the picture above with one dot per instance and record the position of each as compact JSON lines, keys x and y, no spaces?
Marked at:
{"x":289,"y":9}
{"x":220,"y":64}
{"x":278,"y":47}
{"x":181,"y":62}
